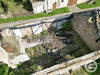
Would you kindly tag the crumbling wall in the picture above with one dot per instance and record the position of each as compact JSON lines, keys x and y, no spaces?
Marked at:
{"x":86,"y":31}
{"x":26,"y":31}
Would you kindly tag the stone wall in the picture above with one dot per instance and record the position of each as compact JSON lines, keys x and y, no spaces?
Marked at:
{"x":26,"y":31}
{"x":86,"y":31}
{"x":35,"y":27}
{"x":69,"y":65}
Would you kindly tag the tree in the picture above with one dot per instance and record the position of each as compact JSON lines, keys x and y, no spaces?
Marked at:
{"x":4,"y":70}
{"x":5,"y":4}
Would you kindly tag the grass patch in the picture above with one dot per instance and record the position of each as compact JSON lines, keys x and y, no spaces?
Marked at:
{"x":59,"y":11}
{"x":54,"y":12}
{"x":44,"y":33}
{"x":85,"y":6}
{"x":23,"y":18}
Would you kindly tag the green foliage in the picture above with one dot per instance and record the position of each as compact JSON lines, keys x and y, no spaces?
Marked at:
{"x":92,"y":19}
{"x":7,"y":3}
{"x":66,"y":26}
{"x":44,"y":32}
{"x":59,"y":11}
{"x":23,"y":17}
{"x":85,"y":6}
{"x":11,"y":0}
{"x":2,"y":10}
{"x":4,"y":70}
{"x":11,"y":73}
{"x":39,"y":15}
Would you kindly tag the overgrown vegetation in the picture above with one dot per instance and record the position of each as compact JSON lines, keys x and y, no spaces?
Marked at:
{"x":25,"y":37}
{"x":4,"y":70}
{"x":78,"y":47}
{"x":13,"y":42}
{"x":44,"y":32}
{"x":42,"y":55}
{"x":82,"y":71}
{"x":9,"y":5}
{"x":85,"y":6}
{"x":5,"y":5}
{"x":66,"y":26}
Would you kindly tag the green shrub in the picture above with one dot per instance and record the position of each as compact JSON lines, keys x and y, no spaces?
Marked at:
{"x":66,"y":26}
{"x":44,"y":32}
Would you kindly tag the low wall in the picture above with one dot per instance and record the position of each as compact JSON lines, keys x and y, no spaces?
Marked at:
{"x":68,"y":63}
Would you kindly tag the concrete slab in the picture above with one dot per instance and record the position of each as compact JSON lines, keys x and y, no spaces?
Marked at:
{"x":22,"y":58}
{"x":17,"y":32}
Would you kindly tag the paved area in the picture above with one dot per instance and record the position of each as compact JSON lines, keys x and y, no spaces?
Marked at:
{"x":74,"y":8}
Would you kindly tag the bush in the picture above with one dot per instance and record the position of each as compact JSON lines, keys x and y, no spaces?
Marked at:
{"x":66,"y":26}
{"x":44,"y":32}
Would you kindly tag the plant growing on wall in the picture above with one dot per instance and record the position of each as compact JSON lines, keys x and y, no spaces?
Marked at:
{"x":25,"y":37}
{"x":44,"y":32}
{"x":66,"y":26}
